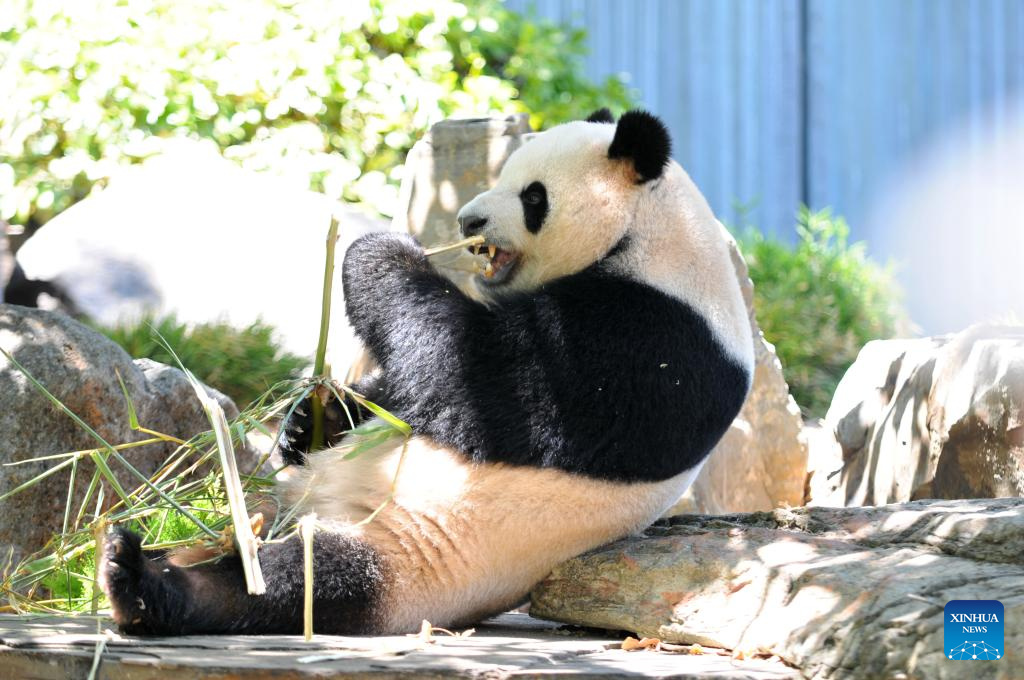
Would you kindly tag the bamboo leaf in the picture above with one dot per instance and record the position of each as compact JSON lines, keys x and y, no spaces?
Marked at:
{"x":367,"y":444}
{"x":390,"y":419}
{"x":133,"y":418}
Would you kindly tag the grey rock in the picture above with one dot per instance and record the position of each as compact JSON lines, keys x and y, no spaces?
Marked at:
{"x":938,"y":417}
{"x":79,"y":367}
{"x":854,"y":593}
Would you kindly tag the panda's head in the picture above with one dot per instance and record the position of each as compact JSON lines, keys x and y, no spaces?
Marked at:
{"x":567,"y":198}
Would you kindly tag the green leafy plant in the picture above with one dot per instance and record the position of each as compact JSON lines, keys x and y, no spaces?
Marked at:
{"x":819,"y":301}
{"x":331,"y":95}
{"x":241,"y":362}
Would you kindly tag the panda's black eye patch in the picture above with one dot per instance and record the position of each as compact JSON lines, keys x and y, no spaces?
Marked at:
{"x":535,"y":206}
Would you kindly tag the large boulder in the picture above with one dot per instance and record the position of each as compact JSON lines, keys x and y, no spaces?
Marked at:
{"x":192,"y":234}
{"x":938,"y":417}
{"x":853,"y":593}
{"x":79,"y":367}
{"x":761,"y":463}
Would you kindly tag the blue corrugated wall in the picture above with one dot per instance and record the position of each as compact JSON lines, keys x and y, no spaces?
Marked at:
{"x":777,"y":102}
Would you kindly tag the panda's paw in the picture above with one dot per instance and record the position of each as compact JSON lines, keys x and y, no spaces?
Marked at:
{"x":297,"y":437}
{"x":123,"y":571}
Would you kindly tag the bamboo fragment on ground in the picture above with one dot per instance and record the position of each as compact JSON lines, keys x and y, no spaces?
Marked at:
{"x":248,"y":545}
{"x":307,"y":527}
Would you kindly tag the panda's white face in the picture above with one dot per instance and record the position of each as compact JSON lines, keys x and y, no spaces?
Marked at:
{"x":571,"y":195}
{"x":560,"y":205}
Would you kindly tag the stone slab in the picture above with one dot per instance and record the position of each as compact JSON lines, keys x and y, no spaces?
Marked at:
{"x":510,"y":646}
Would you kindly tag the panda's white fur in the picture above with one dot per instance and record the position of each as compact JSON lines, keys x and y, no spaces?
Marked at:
{"x":480,"y":511}
{"x":465,"y":540}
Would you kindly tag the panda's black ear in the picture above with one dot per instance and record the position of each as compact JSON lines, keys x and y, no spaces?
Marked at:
{"x":601,"y":116}
{"x":642,"y":137}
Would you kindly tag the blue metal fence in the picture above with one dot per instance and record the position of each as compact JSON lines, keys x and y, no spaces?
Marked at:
{"x":777,"y":102}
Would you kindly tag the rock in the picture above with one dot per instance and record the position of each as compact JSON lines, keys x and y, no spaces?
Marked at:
{"x":192,"y":234}
{"x":839,"y":592}
{"x":77,"y":365}
{"x":761,"y":463}
{"x":938,"y":417}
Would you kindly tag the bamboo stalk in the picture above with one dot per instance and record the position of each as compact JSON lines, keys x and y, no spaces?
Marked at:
{"x":320,"y":370}
{"x":307,"y":527}
{"x":99,"y":531}
{"x":248,"y":546}
{"x":464,"y":243}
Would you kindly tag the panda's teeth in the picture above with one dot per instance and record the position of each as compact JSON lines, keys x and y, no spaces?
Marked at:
{"x":476,"y":249}
{"x":489,"y":270}
{"x":491,"y":250}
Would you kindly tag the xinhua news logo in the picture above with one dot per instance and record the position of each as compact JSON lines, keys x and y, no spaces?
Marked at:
{"x":973,"y":630}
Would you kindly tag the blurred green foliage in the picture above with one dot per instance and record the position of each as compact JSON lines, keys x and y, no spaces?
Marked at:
{"x":243,"y":363}
{"x":818,"y":302}
{"x":330,"y":94}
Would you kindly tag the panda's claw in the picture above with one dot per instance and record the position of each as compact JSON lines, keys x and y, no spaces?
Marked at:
{"x":297,"y":435}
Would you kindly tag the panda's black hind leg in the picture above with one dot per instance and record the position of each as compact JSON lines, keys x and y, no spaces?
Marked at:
{"x":145,"y":598}
{"x":158,"y":597}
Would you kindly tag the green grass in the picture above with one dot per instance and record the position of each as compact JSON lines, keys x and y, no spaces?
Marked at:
{"x":240,"y":362}
{"x":819,"y":301}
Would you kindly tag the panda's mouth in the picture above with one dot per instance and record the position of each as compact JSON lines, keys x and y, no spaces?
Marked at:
{"x":500,"y":265}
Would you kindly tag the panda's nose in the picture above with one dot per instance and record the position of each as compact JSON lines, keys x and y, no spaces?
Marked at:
{"x":471,"y":225}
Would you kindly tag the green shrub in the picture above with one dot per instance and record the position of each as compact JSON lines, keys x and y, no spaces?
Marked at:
{"x":332,"y":95}
{"x":818,"y":302}
{"x":242,"y":363}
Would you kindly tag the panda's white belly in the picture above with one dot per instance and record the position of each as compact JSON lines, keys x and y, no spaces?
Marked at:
{"x":463,"y":540}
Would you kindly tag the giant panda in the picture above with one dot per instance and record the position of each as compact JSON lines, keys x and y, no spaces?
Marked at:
{"x":568,"y":402}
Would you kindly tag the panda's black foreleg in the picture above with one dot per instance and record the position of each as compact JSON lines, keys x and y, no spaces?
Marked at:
{"x":297,"y":438}
{"x":157,"y":597}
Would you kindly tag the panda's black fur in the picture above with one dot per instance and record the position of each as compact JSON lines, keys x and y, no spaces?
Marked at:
{"x":587,"y":375}
{"x":524,"y":374}
{"x":154,"y":597}
{"x":535,"y":206}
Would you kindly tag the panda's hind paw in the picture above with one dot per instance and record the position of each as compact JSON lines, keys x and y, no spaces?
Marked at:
{"x":122,"y":571}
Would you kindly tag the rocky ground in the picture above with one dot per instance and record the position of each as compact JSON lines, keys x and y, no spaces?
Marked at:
{"x":854,"y":593}
{"x":510,"y":646}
